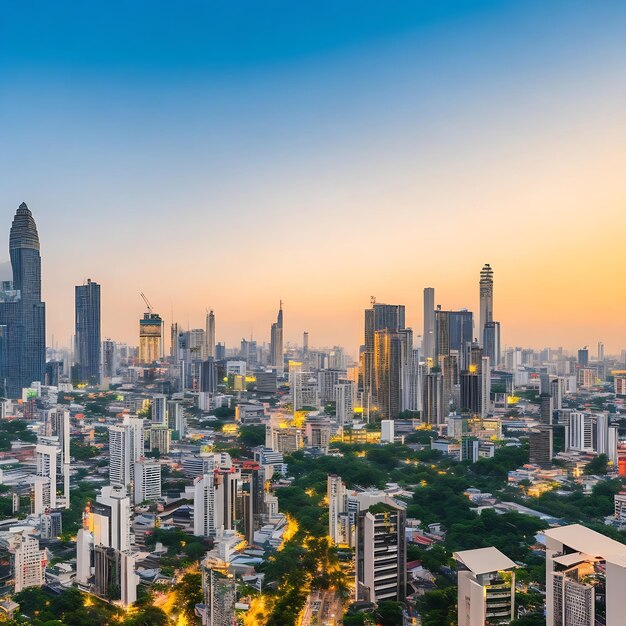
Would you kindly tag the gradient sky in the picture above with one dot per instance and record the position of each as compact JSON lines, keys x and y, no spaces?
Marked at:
{"x":230,"y":154}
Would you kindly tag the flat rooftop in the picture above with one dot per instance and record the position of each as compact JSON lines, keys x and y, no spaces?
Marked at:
{"x":582,"y":539}
{"x":484,"y":560}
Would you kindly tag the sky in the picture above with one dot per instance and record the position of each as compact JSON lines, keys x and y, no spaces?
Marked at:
{"x":228,"y":155}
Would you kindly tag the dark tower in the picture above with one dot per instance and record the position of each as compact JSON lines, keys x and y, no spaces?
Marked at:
{"x":88,"y":342}
{"x":22,"y":313}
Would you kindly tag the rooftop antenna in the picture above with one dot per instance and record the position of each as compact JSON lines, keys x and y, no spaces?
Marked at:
{"x":372,"y":300}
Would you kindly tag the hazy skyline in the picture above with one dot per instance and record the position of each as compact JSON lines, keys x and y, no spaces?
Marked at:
{"x":228,"y":157}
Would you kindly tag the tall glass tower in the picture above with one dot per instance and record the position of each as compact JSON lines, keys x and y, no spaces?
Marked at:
{"x":22,"y":313}
{"x":88,"y":338}
{"x":486,"y":300}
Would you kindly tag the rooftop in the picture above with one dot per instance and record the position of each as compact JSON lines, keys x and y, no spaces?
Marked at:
{"x":484,"y":560}
{"x":582,"y":539}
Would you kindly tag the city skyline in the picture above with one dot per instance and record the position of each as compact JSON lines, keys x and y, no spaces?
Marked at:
{"x":294,"y":337}
{"x":436,"y":127}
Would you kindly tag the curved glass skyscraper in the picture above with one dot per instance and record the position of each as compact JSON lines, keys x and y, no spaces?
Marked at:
{"x":22,"y":313}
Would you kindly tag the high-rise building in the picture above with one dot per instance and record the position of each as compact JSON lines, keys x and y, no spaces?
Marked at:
{"x":220,"y":593}
{"x":583,"y":357}
{"x":541,"y":442}
{"x":388,"y":353}
{"x":380,"y":317}
{"x":109,"y":359}
{"x":147,"y":481}
{"x":204,"y":505}
{"x":336,"y":494}
{"x":491,"y":342}
{"x":428,"y":339}
{"x":210,"y":334}
{"x":126,"y":445}
{"x":88,"y":342}
{"x":158,"y":409}
{"x":381,"y":553}
{"x":160,"y":438}
{"x":486,"y":587}
{"x":486,"y":300}
{"x":453,"y":331}
{"x":600,"y":351}
{"x":150,"y":338}
{"x":29,"y":562}
{"x":22,"y":313}
{"x":580,"y":561}
{"x":276,"y":343}
{"x":208,"y":376}
{"x":433,"y":403}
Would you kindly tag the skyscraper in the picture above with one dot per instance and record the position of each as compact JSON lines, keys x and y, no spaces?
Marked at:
{"x":379,"y":317}
{"x":210,"y":334}
{"x":150,"y":338}
{"x":22,"y":313}
{"x":88,"y":332}
{"x":486,"y":299}
{"x":428,"y":340}
{"x":276,"y":342}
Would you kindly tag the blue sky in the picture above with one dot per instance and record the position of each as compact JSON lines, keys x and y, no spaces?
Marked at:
{"x":229,"y":154}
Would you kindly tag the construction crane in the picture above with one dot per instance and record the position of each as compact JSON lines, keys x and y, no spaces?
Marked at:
{"x":147,"y":302}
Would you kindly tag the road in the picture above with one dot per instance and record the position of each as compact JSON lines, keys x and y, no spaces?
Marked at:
{"x":323,"y":608}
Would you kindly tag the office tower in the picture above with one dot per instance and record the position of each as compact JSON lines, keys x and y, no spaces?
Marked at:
{"x":87,"y":335}
{"x":579,"y":432}
{"x":433,"y":397}
{"x":84,"y":552}
{"x":48,"y":466}
{"x":304,"y":390}
{"x":204,"y":505}
{"x":470,"y":391}
{"x":579,"y":561}
{"x":208,"y":376}
{"x":226,"y":489}
{"x":345,"y":392}
{"x":388,"y":352}
{"x":150,"y":338}
{"x":486,"y":300}
{"x":220,"y":593}
{"x":176,"y":418}
{"x":379,"y":317}
{"x":250,"y":498}
{"x":485,"y":386}
{"x":583,"y":357}
{"x":53,"y":373}
{"x":305,"y":343}
{"x":29,"y":562}
{"x":220,"y":351}
{"x":486,"y":587}
{"x":158,"y":409}
{"x":326,"y":381}
{"x":147,"y":481}
{"x":109,"y":359}
{"x":22,"y":313}
{"x":126,"y":445}
{"x":546,"y":408}
{"x":50,"y":524}
{"x":453,"y":331}
{"x":110,"y":518}
{"x":60,"y":428}
{"x":381,"y":553}
{"x":491,"y":342}
{"x":276,"y":343}
{"x":210,"y":334}
{"x":428,"y":339}
{"x":337,"y":507}
{"x":108,"y":523}
{"x":600,"y":351}
{"x":160,"y":438}
{"x":541,"y":442}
